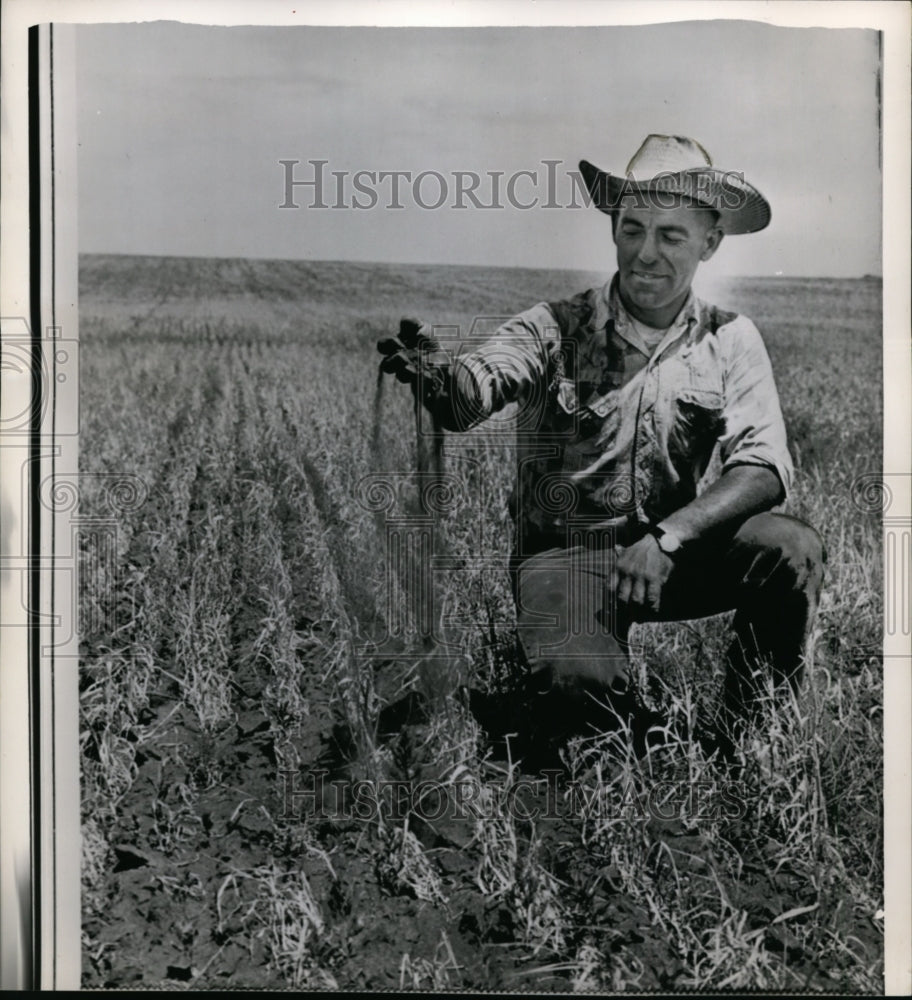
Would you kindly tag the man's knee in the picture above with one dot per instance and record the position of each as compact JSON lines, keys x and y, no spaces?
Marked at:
{"x":562,"y":628}
{"x":796,"y":546}
{"x":541,"y":582}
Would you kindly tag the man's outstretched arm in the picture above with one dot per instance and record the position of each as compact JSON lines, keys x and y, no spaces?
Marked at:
{"x":465,"y":390}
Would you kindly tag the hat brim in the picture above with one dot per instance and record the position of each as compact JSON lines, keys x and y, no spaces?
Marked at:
{"x":741,"y":207}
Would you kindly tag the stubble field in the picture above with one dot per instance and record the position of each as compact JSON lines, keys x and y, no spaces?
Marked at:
{"x":225,"y":670}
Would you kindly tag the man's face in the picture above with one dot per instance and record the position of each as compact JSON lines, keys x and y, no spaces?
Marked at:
{"x":658,"y":251}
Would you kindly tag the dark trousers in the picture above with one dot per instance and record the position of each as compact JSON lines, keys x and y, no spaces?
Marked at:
{"x":575,"y":634}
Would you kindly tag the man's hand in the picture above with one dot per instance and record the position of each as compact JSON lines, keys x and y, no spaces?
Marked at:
{"x":413,"y":354}
{"x":640,"y":573}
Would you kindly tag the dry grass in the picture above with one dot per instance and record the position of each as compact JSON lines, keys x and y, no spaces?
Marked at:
{"x":250,"y":580}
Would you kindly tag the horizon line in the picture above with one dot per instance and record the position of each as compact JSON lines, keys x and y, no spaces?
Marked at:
{"x":869,"y":276}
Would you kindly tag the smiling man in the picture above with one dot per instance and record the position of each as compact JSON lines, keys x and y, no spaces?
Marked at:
{"x":651,"y":451}
{"x":658,"y":251}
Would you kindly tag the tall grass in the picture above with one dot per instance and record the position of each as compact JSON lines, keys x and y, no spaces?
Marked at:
{"x":252,"y":580}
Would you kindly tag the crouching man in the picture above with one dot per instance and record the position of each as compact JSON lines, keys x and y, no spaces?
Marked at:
{"x":632,"y":388}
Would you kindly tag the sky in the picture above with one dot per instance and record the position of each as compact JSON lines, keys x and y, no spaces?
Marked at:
{"x":181,"y":130}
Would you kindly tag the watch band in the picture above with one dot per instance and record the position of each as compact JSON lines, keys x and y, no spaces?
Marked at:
{"x":668,"y":541}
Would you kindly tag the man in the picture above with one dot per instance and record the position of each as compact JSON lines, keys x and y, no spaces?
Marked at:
{"x":626,"y":394}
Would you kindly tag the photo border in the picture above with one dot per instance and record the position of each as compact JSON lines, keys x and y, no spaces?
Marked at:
{"x":37,"y":686}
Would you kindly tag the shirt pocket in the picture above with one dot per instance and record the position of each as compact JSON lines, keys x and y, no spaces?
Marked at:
{"x":695,"y":401}
{"x":576,"y":424}
{"x":696,"y":424}
{"x":564,"y":409}
{"x":707,"y":399}
{"x":566,"y":397}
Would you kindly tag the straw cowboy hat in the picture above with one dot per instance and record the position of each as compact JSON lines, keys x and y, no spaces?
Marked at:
{"x":667,"y":165}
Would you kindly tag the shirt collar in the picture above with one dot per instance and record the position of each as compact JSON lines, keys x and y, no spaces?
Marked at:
{"x":608,"y":306}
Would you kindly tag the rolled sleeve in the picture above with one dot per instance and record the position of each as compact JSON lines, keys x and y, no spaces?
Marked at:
{"x":754,"y":429}
{"x":500,"y":370}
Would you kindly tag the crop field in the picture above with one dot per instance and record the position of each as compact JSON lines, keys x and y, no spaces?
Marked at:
{"x":257,"y":768}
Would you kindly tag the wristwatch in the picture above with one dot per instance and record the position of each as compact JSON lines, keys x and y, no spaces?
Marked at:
{"x":668,"y":541}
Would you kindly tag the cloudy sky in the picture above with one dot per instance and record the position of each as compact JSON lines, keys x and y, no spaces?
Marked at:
{"x":182,"y":127}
